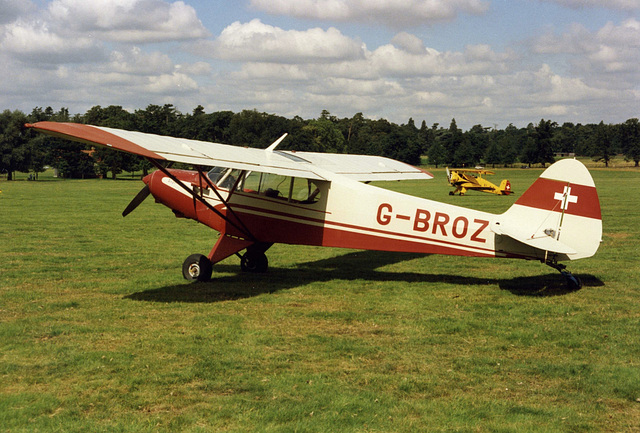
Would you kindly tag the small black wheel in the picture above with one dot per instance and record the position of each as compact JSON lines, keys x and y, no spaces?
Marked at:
{"x":573,"y":282}
{"x":254,"y":261}
{"x":197,"y":268}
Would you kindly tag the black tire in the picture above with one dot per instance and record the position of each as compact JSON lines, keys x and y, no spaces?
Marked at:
{"x":197,"y":268}
{"x":254,"y":261}
{"x":573,"y":283}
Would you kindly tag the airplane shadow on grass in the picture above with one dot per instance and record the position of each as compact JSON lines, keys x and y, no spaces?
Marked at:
{"x":354,"y":266}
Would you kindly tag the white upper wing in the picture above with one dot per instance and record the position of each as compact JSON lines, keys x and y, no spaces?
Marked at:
{"x":364,"y":168}
{"x":300,"y":164}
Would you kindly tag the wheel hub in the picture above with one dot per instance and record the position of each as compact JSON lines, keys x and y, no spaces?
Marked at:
{"x":194,"y":270}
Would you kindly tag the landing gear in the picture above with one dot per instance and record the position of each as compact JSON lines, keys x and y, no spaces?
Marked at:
{"x":197,"y":268}
{"x":573,"y":282}
{"x":254,"y":261}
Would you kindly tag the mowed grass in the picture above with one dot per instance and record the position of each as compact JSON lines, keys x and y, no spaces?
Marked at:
{"x":99,"y":332}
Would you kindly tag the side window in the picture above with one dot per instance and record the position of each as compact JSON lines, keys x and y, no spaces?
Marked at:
{"x":304,"y":191}
{"x":252,"y":182}
{"x":275,"y":185}
{"x":292,"y":189}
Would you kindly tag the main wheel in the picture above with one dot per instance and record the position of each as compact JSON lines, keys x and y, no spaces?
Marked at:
{"x":197,"y":268}
{"x":254,"y":261}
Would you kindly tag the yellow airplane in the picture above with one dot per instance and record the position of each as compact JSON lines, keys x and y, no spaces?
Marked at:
{"x":466,"y":179}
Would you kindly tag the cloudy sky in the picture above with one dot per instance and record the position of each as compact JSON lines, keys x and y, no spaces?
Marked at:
{"x":489,"y":62}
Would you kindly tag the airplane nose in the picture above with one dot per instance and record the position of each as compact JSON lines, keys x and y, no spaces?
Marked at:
{"x":147,"y":178}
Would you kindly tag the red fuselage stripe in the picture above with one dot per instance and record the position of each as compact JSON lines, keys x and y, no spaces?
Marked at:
{"x":344,"y":228}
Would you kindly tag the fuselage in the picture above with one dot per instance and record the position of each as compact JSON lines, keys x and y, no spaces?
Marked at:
{"x":344,"y":213}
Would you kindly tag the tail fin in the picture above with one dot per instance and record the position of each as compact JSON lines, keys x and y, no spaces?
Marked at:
{"x":559,"y":213}
{"x":505,"y":187}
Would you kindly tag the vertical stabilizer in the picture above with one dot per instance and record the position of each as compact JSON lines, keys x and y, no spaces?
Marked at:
{"x":505,"y":187}
{"x":559,"y":213}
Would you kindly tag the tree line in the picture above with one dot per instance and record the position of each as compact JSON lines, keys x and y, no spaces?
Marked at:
{"x":24,"y":150}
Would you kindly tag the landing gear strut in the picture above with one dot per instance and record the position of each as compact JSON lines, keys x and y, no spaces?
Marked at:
{"x":573,"y":282}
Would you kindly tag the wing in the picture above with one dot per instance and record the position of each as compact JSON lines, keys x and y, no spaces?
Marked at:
{"x":471,"y":170}
{"x":308,"y":165}
{"x":364,"y":168}
{"x":163,"y":148}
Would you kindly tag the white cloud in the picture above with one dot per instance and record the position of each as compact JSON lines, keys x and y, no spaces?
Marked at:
{"x":255,"y":41}
{"x":628,"y":5}
{"x":409,"y":43}
{"x":171,"y":84}
{"x":78,"y":54}
{"x":11,"y":10}
{"x":394,"y":13}
{"x":578,"y":40}
{"x":35,"y":42}
{"x":133,"y":21}
{"x":135,"y":61}
{"x":195,"y":69}
{"x":611,"y":54}
{"x":626,"y":34}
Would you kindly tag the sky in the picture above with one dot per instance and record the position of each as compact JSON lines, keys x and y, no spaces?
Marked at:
{"x":488,"y":62}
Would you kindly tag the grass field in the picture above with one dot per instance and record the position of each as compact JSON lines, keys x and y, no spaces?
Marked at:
{"x":99,"y":332}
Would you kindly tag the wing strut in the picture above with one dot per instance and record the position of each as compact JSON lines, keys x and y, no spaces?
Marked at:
{"x":202,"y":175}
{"x":195,"y":196}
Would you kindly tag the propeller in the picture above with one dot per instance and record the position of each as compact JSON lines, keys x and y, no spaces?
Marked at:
{"x":139,"y":198}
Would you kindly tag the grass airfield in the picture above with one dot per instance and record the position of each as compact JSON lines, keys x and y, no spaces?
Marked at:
{"x":99,"y":332}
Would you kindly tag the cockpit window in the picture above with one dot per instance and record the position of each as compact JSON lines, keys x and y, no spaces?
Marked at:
{"x":224,"y":177}
{"x":290,"y":189}
{"x":216,"y":173}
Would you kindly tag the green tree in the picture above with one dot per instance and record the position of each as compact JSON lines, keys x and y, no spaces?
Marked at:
{"x":464,"y":155}
{"x":539,"y":148}
{"x":109,"y":160}
{"x":246,"y":128}
{"x":601,"y":146}
{"x":327,"y":135}
{"x":451,"y":140}
{"x":630,"y":140}
{"x":493,"y":155}
{"x":543,"y":138}
{"x":402,"y":143}
{"x":14,"y":151}
{"x":565,"y":138}
{"x":156,"y":119}
{"x":436,"y":154}
{"x":478,"y":139}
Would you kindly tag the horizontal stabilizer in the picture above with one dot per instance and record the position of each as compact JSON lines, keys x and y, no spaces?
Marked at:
{"x":540,"y":241}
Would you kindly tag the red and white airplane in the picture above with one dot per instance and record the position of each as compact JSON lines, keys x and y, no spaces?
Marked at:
{"x":258,"y":197}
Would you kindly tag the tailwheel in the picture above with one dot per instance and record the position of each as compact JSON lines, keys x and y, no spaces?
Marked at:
{"x":254,"y":261}
{"x":573,"y":282}
{"x":197,"y":268}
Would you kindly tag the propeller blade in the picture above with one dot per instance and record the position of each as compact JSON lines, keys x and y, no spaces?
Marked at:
{"x":139,"y":198}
